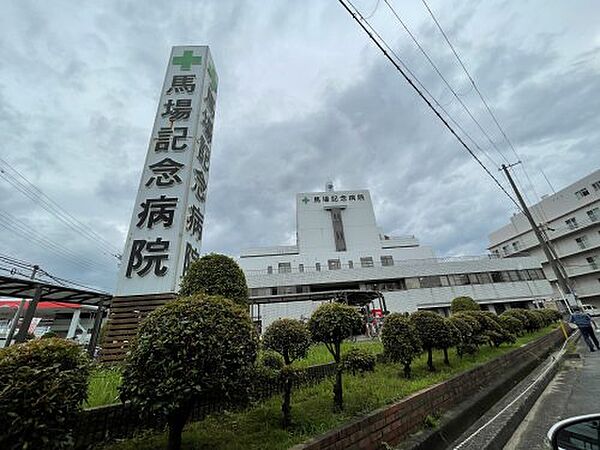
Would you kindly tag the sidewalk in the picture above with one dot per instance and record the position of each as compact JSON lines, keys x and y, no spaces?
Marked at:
{"x":575,"y":390}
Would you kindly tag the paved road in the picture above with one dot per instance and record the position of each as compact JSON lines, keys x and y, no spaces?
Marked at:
{"x":575,"y":390}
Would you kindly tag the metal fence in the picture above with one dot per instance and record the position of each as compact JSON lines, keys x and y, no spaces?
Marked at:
{"x":98,"y":425}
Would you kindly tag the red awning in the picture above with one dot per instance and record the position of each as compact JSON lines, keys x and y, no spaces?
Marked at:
{"x":41,"y":305}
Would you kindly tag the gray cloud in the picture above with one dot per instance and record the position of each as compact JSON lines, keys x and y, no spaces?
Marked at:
{"x":303,"y":98}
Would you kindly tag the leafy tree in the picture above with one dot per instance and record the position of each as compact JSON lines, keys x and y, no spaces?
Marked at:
{"x":400,"y":341}
{"x":432,"y":331}
{"x":271,"y":360}
{"x":191,"y":348}
{"x":511,"y":324}
{"x":491,"y":330}
{"x":460,"y":304}
{"x":536,"y":319}
{"x":216,"y":274}
{"x":451,"y":338}
{"x":551,"y":315}
{"x":358,"y":360}
{"x":520,"y":315}
{"x":330,"y":324}
{"x":43,"y":384}
{"x":465,"y":339}
{"x":291,"y":339}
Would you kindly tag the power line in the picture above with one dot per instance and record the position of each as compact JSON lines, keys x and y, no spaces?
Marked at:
{"x":419,"y":92}
{"x":18,"y":227}
{"x":21,"y":264}
{"x":489,"y":110}
{"x":23,"y":185}
{"x":443,"y":78}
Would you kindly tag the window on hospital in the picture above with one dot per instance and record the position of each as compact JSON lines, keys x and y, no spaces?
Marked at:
{"x":285,"y":267}
{"x":387,"y":261}
{"x":366,"y":262}
{"x":334,"y":264}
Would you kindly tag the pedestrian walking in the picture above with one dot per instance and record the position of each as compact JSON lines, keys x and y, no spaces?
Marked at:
{"x":584,"y":322}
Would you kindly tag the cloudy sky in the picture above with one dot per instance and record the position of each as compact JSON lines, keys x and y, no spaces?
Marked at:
{"x":304,"y":96}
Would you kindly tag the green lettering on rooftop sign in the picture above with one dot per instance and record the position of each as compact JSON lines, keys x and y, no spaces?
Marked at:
{"x":187,"y":60}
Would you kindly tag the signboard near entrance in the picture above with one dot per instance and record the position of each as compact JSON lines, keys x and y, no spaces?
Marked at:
{"x":165,"y":233}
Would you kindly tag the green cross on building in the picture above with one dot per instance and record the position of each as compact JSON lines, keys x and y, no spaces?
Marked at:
{"x":187,"y":60}
{"x":306,"y":200}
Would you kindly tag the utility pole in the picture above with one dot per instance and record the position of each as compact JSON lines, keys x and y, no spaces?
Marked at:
{"x":562,"y":280}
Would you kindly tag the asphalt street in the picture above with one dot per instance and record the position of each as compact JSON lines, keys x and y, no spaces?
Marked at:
{"x":575,"y":390}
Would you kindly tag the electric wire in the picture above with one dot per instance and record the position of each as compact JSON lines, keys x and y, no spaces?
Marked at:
{"x":489,"y":110}
{"x":446,"y":82}
{"x":23,"y":185}
{"x":358,"y":18}
{"x":18,"y":227}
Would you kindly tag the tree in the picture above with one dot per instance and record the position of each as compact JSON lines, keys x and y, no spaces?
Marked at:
{"x":291,"y":339}
{"x":330,"y":324}
{"x":216,"y":274}
{"x":520,"y":315}
{"x":43,"y":384}
{"x":189,"y":349}
{"x":432,"y":331}
{"x":470,"y":345}
{"x":358,"y":360}
{"x":465,"y":334}
{"x":512,"y":324}
{"x":492,"y":331}
{"x":448,"y":339}
{"x":460,"y":304}
{"x":400,"y":341}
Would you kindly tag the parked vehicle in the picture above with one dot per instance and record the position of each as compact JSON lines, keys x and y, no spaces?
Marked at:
{"x":576,"y":433}
{"x":591,"y":310}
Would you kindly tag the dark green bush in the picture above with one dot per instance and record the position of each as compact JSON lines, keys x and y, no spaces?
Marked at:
{"x":511,"y":324}
{"x":551,"y":315}
{"x":189,"y":349}
{"x":520,"y":315}
{"x":291,"y":339}
{"x":330,"y":324}
{"x":400,"y":341}
{"x":43,"y":384}
{"x":270,"y":360}
{"x":49,"y":334}
{"x":535,"y":318}
{"x":288,"y":337}
{"x":432,"y":331}
{"x":465,"y":340}
{"x":216,"y":274}
{"x":460,"y":304}
{"x":358,"y":360}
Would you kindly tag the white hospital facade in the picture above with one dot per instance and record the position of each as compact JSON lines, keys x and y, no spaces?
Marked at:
{"x":571,"y":221}
{"x":340,"y":248}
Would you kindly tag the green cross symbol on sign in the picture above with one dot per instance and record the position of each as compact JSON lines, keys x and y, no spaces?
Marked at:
{"x":305,"y":200}
{"x":187,"y":60}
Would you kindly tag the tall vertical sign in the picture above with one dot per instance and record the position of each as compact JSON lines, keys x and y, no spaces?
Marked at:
{"x":166,"y":227}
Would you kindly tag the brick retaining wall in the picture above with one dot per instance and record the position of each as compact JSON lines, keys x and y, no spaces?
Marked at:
{"x":392,"y":424}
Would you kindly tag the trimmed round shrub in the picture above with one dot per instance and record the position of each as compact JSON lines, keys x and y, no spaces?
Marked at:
{"x":330,"y":324}
{"x":189,"y":349}
{"x":551,"y":315}
{"x":460,"y":304}
{"x":535,"y":319}
{"x":432,"y":331}
{"x":291,"y":339}
{"x":216,"y":274}
{"x":270,"y":360}
{"x":358,"y":360}
{"x":49,"y":334}
{"x":400,"y":341}
{"x":511,"y":324}
{"x":288,"y":337}
{"x":43,"y":384}
{"x":465,"y":339}
{"x":520,"y":315}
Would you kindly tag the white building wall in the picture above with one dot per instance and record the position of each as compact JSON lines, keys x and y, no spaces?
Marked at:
{"x":572,"y":219}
